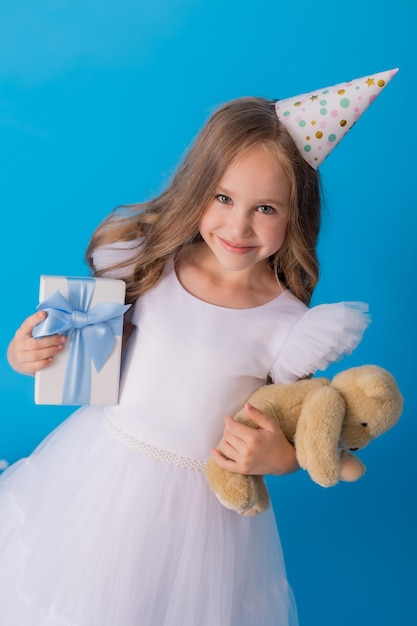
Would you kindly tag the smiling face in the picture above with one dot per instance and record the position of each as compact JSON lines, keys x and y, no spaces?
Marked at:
{"x":246,"y":220}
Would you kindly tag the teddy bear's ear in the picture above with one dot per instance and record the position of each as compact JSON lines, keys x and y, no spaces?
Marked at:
{"x":375,"y":382}
{"x":381,"y":397}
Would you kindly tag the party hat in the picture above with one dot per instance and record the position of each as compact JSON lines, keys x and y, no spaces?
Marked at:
{"x":318,"y":120}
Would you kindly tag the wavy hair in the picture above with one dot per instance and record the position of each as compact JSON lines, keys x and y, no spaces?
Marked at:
{"x":170,"y":221}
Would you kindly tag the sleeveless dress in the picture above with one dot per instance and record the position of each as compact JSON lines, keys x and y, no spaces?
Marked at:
{"x":110,"y":521}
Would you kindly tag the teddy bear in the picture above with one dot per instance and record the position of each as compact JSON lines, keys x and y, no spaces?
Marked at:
{"x":325,"y":420}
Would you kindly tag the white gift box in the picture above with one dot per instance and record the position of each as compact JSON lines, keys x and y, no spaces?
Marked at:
{"x":52,"y":383}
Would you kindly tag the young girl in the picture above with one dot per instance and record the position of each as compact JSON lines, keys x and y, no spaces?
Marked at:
{"x":110,"y":521}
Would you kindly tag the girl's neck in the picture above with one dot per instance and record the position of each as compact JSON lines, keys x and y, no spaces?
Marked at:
{"x":201,"y":274}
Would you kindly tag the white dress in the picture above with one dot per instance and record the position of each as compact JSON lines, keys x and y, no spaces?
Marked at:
{"x":110,"y":521}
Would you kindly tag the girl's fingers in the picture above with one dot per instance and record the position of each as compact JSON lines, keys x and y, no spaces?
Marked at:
{"x":228,"y":451}
{"x":26,"y":354}
{"x":42,"y":354}
{"x":30,"y":361}
{"x":223,"y":462}
{"x":36,"y":366}
{"x":230,"y":442}
{"x":239,"y":435}
{"x":43,"y":343}
{"x":29,"y":324}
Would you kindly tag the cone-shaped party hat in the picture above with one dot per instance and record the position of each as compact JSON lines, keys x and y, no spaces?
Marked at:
{"x":318,"y":120}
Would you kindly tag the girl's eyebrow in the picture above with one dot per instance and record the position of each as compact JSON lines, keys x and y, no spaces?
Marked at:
{"x":223,"y":191}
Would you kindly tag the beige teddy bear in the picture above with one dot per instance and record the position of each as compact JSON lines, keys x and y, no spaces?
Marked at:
{"x":324,"y":420}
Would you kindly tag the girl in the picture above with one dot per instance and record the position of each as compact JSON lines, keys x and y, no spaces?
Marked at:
{"x":110,"y":521}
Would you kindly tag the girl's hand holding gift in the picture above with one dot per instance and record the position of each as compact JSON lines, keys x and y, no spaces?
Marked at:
{"x":27,"y":355}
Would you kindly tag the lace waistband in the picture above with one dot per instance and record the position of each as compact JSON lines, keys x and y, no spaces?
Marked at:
{"x":146,"y":448}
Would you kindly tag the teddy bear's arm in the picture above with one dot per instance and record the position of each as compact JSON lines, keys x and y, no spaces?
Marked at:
{"x":317,"y":435}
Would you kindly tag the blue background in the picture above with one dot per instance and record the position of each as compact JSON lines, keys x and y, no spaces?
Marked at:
{"x":99,"y":100}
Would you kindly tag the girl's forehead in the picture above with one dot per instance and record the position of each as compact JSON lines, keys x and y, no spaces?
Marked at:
{"x":268,"y":153}
{"x":261,"y":159}
{"x":259,"y":174}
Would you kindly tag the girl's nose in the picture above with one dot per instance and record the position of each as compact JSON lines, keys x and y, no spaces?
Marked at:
{"x":240,"y":224}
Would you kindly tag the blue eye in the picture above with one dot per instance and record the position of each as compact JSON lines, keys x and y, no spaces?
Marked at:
{"x":223,"y":199}
{"x":265,"y":209}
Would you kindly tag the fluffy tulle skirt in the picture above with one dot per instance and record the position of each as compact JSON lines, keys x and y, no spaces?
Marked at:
{"x":94,"y":533}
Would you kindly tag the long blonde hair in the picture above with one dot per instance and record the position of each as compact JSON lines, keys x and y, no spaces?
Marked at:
{"x":170,"y":221}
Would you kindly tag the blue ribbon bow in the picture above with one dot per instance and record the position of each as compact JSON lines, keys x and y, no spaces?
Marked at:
{"x":91,"y":332}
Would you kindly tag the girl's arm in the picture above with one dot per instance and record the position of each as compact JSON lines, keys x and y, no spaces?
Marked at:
{"x":255,"y":451}
{"x":27,"y":355}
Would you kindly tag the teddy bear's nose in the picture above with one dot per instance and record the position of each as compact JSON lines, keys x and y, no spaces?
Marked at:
{"x":353,"y":449}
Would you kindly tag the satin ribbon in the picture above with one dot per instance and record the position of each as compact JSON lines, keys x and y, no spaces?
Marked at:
{"x":91,"y":333}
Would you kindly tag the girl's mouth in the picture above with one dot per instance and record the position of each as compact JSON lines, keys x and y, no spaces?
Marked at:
{"x":235,"y":248}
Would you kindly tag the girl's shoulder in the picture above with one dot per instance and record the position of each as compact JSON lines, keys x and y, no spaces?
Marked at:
{"x":319,"y":336}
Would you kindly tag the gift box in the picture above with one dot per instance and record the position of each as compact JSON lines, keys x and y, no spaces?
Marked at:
{"x":89,"y":311}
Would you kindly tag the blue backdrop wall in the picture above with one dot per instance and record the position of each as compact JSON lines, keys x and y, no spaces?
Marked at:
{"x":99,"y":100}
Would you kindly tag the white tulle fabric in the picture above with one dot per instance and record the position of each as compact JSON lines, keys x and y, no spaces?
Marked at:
{"x":324,"y":334}
{"x":110,"y":521}
{"x":94,"y":533}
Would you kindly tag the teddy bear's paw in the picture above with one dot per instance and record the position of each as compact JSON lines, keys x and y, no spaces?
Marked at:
{"x":252,"y":500}
{"x":236,"y":492}
{"x":262,"y":502}
{"x":323,"y":474}
{"x":242,"y":498}
{"x":255,"y":510}
{"x":238,"y":505}
{"x":325,"y":477}
{"x":352,"y":467}
{"x":227,"y":504}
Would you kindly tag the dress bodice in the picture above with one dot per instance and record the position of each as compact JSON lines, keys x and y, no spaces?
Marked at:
{"x":190,"y":363}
